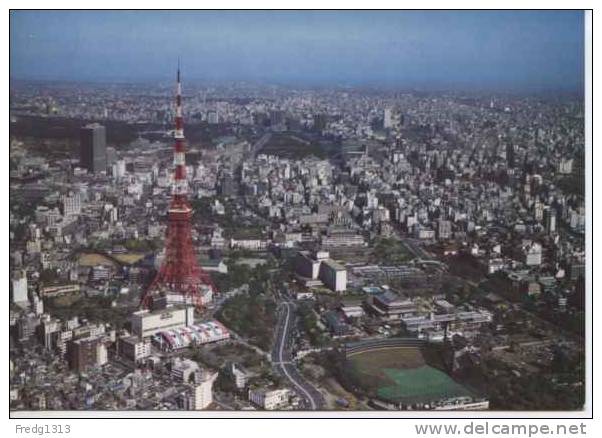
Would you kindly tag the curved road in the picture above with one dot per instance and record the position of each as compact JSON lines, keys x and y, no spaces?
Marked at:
{"x":281,"y":358}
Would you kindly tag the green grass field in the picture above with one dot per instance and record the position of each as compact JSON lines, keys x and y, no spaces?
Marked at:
{"x":420,"y":385}
{"x":401,"y":375}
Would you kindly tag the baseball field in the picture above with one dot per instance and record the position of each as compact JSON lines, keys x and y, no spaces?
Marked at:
{"x":402,"y":375}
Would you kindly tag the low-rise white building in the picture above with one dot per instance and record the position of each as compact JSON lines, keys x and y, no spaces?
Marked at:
{"x":250,"y":244}
{"x":146,"y":323}
{"x":270,"y":399}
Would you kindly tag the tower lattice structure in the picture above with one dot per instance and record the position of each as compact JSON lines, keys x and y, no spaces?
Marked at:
{"x":180,"y":278}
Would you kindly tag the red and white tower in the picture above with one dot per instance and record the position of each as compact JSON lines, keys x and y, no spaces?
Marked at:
{"x":180,"y":278}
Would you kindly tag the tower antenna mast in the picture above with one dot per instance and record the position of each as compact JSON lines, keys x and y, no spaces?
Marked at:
{"x":180,"y":278}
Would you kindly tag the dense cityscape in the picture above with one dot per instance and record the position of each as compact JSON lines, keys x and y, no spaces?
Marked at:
{"x":360,"y":248}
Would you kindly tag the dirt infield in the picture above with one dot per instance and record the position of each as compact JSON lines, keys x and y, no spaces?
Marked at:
{"x":129,"y":258}
{"x":93,"y":259}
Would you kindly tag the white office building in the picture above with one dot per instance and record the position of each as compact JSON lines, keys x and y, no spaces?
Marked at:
{"x":333,"y":275}
{"x":19,"y":284}
{"x":146,"y":323}
{"x":387,"y":118}
{"x":119,"y":169}
{"x":72,"y":205}
{"x":318,"y":265}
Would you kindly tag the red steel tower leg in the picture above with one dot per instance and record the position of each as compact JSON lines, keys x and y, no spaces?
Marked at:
{"x":180,"y":275}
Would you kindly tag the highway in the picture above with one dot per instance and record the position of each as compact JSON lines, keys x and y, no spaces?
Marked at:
{"x":281,"y":358}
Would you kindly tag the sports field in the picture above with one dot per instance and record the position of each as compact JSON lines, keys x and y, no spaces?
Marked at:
{"x":129,"y":258}
{"x":420,"y":385}
{"x":402,"y":375}
{"x":93,"y":259}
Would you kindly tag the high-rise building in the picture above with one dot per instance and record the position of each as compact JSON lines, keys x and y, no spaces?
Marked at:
{"x":93,"y":148}
{"x":387,"y":118}
{"x":119,"y":169}
{"x":538,"y":210}
{"x":318,"y":265}
{"x":320,"y":121}
{"x":27,"y":326}
{"x":85,"y":353}
{"x":19,"y":283}
{"x":102,"y":355}
{"x":37,"y":305}
{"x":213,"y":117}
{"x":72,"y":204}
{"x":276,"y":117}
{"x":333,"y":275}
{"x":111,"y":156}
{"x":550,"y":220}
{"x":510,"y":157}
{"x":228,"y":186}
{"x":443,"y":229}
{"x":202,"y":390}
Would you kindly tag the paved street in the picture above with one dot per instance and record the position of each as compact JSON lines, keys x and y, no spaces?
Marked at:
{"x":281,"y":358}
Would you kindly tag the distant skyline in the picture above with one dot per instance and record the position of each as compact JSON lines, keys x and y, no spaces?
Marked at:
{"x":494,"y":50}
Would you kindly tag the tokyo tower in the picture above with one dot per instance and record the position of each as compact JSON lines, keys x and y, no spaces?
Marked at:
{"x":180,"y":278}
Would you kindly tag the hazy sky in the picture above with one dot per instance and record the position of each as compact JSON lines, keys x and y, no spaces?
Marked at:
{"x":506,"y":50}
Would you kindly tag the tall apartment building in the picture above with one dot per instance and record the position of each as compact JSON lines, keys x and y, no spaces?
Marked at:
{"x":85,"y":353}
{"x":443,"y":229}
{"x":202,"y":391}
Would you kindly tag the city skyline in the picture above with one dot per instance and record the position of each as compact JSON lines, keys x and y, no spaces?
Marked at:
{"x":477,"y":50}
{"x":185,"y":245}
